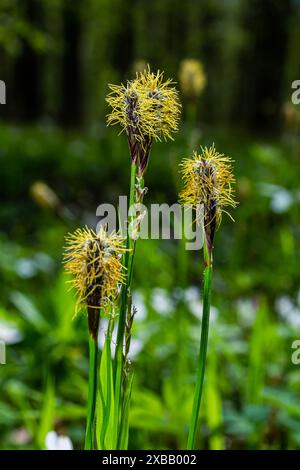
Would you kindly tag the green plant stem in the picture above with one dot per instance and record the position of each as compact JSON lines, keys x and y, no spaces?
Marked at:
{"x":106,"y":393}
{"x":203,"y":349}
{"x":92,"y":394}
{"x":123,"y":307}
{"x":127,"y":262}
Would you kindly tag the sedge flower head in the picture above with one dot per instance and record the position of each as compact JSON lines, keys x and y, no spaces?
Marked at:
{"x":192,"y":77}
{"x":146,"y":106}
{"x":94,"y":261}
{"x":208,"y":180}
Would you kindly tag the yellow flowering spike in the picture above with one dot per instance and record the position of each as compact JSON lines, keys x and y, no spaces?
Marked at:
{"x":208,"y":180}
{"x":94,"y":260}
{"x":192,"y":77}
{"x":147,"y":107}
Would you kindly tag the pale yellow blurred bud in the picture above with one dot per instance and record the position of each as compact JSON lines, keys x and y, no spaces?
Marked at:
{"x":44,"y":196}
{"x":192,"y":78}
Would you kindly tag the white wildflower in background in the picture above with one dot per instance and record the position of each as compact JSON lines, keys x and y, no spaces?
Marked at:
{"x":281,"y":199}
{"x":246,"y":310}
{"x":193,"y":301}
{"x":55,"y":442}
{"x":161,"y":301}
{"x":195,"y":304}
{"x":9,"y":333}
{"x":288,"y":311}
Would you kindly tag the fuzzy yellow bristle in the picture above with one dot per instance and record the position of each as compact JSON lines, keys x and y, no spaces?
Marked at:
{"x":94,"y":261}
{"x":208,"y":180}
{"x":146,"y":106}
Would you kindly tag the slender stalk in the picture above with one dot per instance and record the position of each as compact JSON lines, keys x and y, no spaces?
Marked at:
{"x":108,"y":434}
{"x":123,"y":307}
{"x":127,"y":262}
{"x":92,"y":393}
{"x":203,"y":348}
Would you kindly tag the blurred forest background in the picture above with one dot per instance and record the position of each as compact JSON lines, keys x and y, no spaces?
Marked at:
{"x":59,"y":161}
